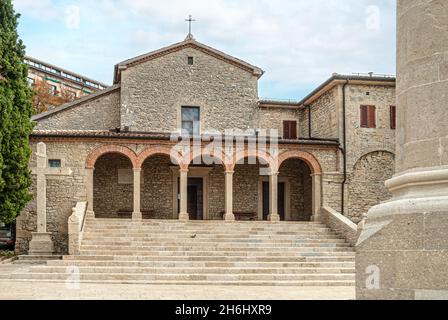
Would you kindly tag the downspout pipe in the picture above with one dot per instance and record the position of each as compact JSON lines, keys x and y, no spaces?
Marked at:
{"x":344,"y":146}
{"x":310,"y":135}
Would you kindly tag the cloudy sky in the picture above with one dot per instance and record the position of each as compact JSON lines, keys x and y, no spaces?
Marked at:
{"x":299,"y":43}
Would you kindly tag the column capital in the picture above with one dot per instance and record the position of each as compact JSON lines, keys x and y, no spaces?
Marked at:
{"x":184,"y":170}
{"x":137,"y":169}
{"x":229,"y":171}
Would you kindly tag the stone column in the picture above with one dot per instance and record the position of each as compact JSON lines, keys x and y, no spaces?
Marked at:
{"x":229,"y":216}
{"x":317,"y":195}
{"x":402,"y":251}
{"x":89,"y":188}
{"x":183,"y":214}
{"x":273,"y":198}
{"x":41,"y":243}
{"x":137,"y":213}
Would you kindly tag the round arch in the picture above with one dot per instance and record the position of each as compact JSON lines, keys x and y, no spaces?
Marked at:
{"x":376,"y":167}
{"x":224,"y":161}
{"x":105,"y":149}
{"x":308,"y":158}
{"x":371,"y":153}
{"x":152,"y":151}
{"x":253,"y":153}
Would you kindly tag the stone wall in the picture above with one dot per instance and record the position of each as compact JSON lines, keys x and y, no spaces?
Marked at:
{"x":157,"y":187}
{"x":26,"y":223}
{"x":366,"y":183}
{"x":245,"y":187}
{"x":109,"y":196}
{"x":298,"y":175}
{"x":304,"y":123}
{"x":63,"y":192}
{"x":370,"y":160}
{"x":361,"y":141}
{"x":153,"y":93}
{"x":272,"y":118}
{"x":101,"y":113}
{"x":324,"y":116}
{"x":216,"y":192}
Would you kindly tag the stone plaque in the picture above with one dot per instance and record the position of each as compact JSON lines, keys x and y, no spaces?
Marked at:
{"x":125,"y":176}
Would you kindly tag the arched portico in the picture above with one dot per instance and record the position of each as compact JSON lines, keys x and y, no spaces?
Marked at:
{"x":316,"y":176}
{"x":92,"y":159}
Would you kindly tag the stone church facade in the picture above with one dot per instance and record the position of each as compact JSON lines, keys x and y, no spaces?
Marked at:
{"x":115,"y":149}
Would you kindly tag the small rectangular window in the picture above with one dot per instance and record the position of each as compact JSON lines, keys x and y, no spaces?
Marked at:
{"x":190,"y":121}
{"x":54,"y":163}
{"x":368,"y":117}
{"x":393,"y":117}
{"x":290,"y":130}
{"x":190,"y":61}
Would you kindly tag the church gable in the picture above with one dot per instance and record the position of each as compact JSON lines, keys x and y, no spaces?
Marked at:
{"x":188,"y":43}
{"x":155,"y":90}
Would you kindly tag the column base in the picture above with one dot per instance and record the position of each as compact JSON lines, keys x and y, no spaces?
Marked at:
{"x":407,"y":231}
{"x":41,"y":244}
{"x":274,"y":218}
{"x":229,"y":217}
{"x":184,"y":216}
{"x":137,"y":216}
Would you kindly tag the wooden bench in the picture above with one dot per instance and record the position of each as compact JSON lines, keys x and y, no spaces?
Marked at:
{"x":243,"y":215}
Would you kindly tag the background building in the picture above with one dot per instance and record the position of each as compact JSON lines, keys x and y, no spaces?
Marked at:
{"x":55,"y":86}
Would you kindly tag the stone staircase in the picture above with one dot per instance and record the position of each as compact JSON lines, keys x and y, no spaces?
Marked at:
{"x":205,"y":253}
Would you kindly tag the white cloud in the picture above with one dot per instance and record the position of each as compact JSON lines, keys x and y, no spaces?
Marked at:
{"x":299,"y":43}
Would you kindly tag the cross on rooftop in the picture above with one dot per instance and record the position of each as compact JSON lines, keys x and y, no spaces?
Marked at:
{"x":190,"y":20}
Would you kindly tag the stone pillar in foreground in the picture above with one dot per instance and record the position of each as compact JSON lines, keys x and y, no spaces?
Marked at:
{"x":273,"y":198}
{"x":41,"y":243}
{"x":183,"y":213}
{"x":137,"y":213}
{"x":316,"y":180}
{"x":229,"y":216}
{"x":89,"y":189}
{"x":402,"y":252}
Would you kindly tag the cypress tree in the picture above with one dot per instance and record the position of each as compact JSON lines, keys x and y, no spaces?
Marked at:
{"x":15,"y":118}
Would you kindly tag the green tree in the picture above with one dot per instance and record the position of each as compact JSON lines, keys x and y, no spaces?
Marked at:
{"x":15,"y":118}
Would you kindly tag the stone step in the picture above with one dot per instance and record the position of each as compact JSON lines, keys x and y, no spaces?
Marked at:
{"x":198,"y":264}
{"x":212,"y":242}
{"x":207,"y":270}
{"x":108,"y":257}
{"x":198,"y":235}
{"x":138,"y":252}
{"x":180,"y":241}
{"x":257,"y":223}
{"x":223,"y":247}
{"x":249,"y":244}
{"x":288,"y":283}
{"x":36,"y":259}
{"x":209,"y":231}
{"x":185,"y":277}
{"x":209,"y":238}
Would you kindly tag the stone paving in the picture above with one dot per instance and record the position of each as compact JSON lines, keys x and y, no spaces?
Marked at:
{"x":26,"y":290}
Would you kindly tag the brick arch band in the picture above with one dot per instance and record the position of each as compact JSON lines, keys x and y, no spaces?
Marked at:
{"x":149,"y":152}
{"x":106,"y":149}
{"x":260,"y":155}
{"x":136,"y":160}
{"x":308,"y":158}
